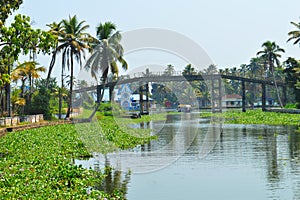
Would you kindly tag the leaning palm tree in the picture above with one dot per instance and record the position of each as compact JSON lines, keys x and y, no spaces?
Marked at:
{"x":107,"y":52}
{"x":270,"y":54}
{"x":73,"y":43}
{"x":56,"y":29}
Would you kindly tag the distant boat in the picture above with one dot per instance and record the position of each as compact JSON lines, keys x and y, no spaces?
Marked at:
{"x":184,"y":108}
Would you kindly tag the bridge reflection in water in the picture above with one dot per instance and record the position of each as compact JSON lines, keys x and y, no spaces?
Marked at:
{"x":245,"y":161}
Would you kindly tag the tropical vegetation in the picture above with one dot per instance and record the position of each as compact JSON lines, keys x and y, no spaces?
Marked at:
{"x":39,"y":163}
{"x":255,"y":117}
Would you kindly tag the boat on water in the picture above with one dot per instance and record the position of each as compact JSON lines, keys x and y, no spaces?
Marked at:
{"x":184,"y":108}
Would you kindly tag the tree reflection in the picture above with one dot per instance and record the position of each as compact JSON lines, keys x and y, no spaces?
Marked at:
{"x":113,"y":182}
{"x":272,"y":159}
{"x":294,"y":144}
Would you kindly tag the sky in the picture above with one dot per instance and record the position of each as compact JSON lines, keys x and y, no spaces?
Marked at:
{"x":230,"y":32}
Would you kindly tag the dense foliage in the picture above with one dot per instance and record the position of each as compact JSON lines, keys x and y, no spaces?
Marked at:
{"x":6,"y":8}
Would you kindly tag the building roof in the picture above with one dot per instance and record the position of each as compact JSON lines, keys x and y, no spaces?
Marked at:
{"x":232,"y":96}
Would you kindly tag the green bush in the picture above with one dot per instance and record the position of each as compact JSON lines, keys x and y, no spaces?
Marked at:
{"x":105,"y":107}
{"x":291,"y":105}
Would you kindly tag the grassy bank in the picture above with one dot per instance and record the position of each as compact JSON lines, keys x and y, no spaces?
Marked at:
{"x":257,"y":117}
{"x":37,"y":163}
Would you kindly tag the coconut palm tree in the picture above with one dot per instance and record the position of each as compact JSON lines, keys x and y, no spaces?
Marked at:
{"x":270,"y":54}
{"x":255,"y":67}
{"x":189,"y":70}
{"x":211,"y":69}
{"x":107,"y":52}
{"x":73,"y":43}
{"x":295,"y":35}
{"x":27,"y":71}
{"x":169,"y":70}
{"x":56,"y":29}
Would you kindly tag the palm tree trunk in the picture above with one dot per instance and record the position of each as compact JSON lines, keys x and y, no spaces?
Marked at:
{"x":71,"y":88}
{"x":51,"y":65}
{"x":277,"y":91}
{"x":1,"y":101}
{"x":104,"y":77}
{"x":60,"y":93}
{"x":97,"y":106}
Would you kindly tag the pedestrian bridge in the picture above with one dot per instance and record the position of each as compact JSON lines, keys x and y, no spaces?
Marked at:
{"x":214,"y":81}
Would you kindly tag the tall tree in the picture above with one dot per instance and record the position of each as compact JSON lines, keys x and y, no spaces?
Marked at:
{"x":73,"y":43}
{"x":255,"y":67}
{"x":295,"y":35}
{"x":292,"y":72}
{"x":56,"y":29}
{"x":270,"y":54}
{"x":19,"y":38}
{"x":107,"y":52}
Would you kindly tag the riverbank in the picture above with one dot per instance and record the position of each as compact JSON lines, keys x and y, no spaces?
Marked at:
{"x":38,"y":163}
{"x":256,"y":117}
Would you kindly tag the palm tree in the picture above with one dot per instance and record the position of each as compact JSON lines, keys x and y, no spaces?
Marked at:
{"x":270,"y":54}
{"x":295,"y":35}
{"x":56,"y":29}
{"x":211,"y":69}
{"x":169,"y":70}
{"x":189,"y":70}
{"x":107,"y":52}
{"x":27,"y":71}
{"x":255,"y":67}
{"x":73,"y":43}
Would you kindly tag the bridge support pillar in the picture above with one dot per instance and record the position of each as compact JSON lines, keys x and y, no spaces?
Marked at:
{"x":284,"y":88}
{"x":141,"y":98}
{"x":147,"y":98}
{"x":263,"y":97}
{"x":111,"y":90}
{"x":216,"y":95}
{"x":99,"y":93}
{"x":144,"y":104}
{"x":243,"y":97}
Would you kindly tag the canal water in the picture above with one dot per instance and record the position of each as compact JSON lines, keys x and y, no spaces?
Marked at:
{"x":196,"y":158}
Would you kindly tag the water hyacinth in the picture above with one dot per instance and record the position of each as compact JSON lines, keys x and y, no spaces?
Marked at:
{"x":257,"y":117}
{"x":38,"y":163}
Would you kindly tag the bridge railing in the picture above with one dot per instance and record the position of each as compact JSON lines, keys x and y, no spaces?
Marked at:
{"x":179,"y":73}
{"x":150,"y":74}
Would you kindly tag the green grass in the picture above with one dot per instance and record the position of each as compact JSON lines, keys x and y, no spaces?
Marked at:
{"x":38,"y":163}
{"x":257,"y":117}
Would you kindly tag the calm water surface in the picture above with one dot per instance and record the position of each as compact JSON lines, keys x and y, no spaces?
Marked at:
{"x":245,"y":162}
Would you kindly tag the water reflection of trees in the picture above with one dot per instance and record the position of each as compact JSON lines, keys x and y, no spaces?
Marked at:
{"x":113,"y":182}
{"x":294,"y":150}
{"x":294,"y":144}
{"x":272,"y":158}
